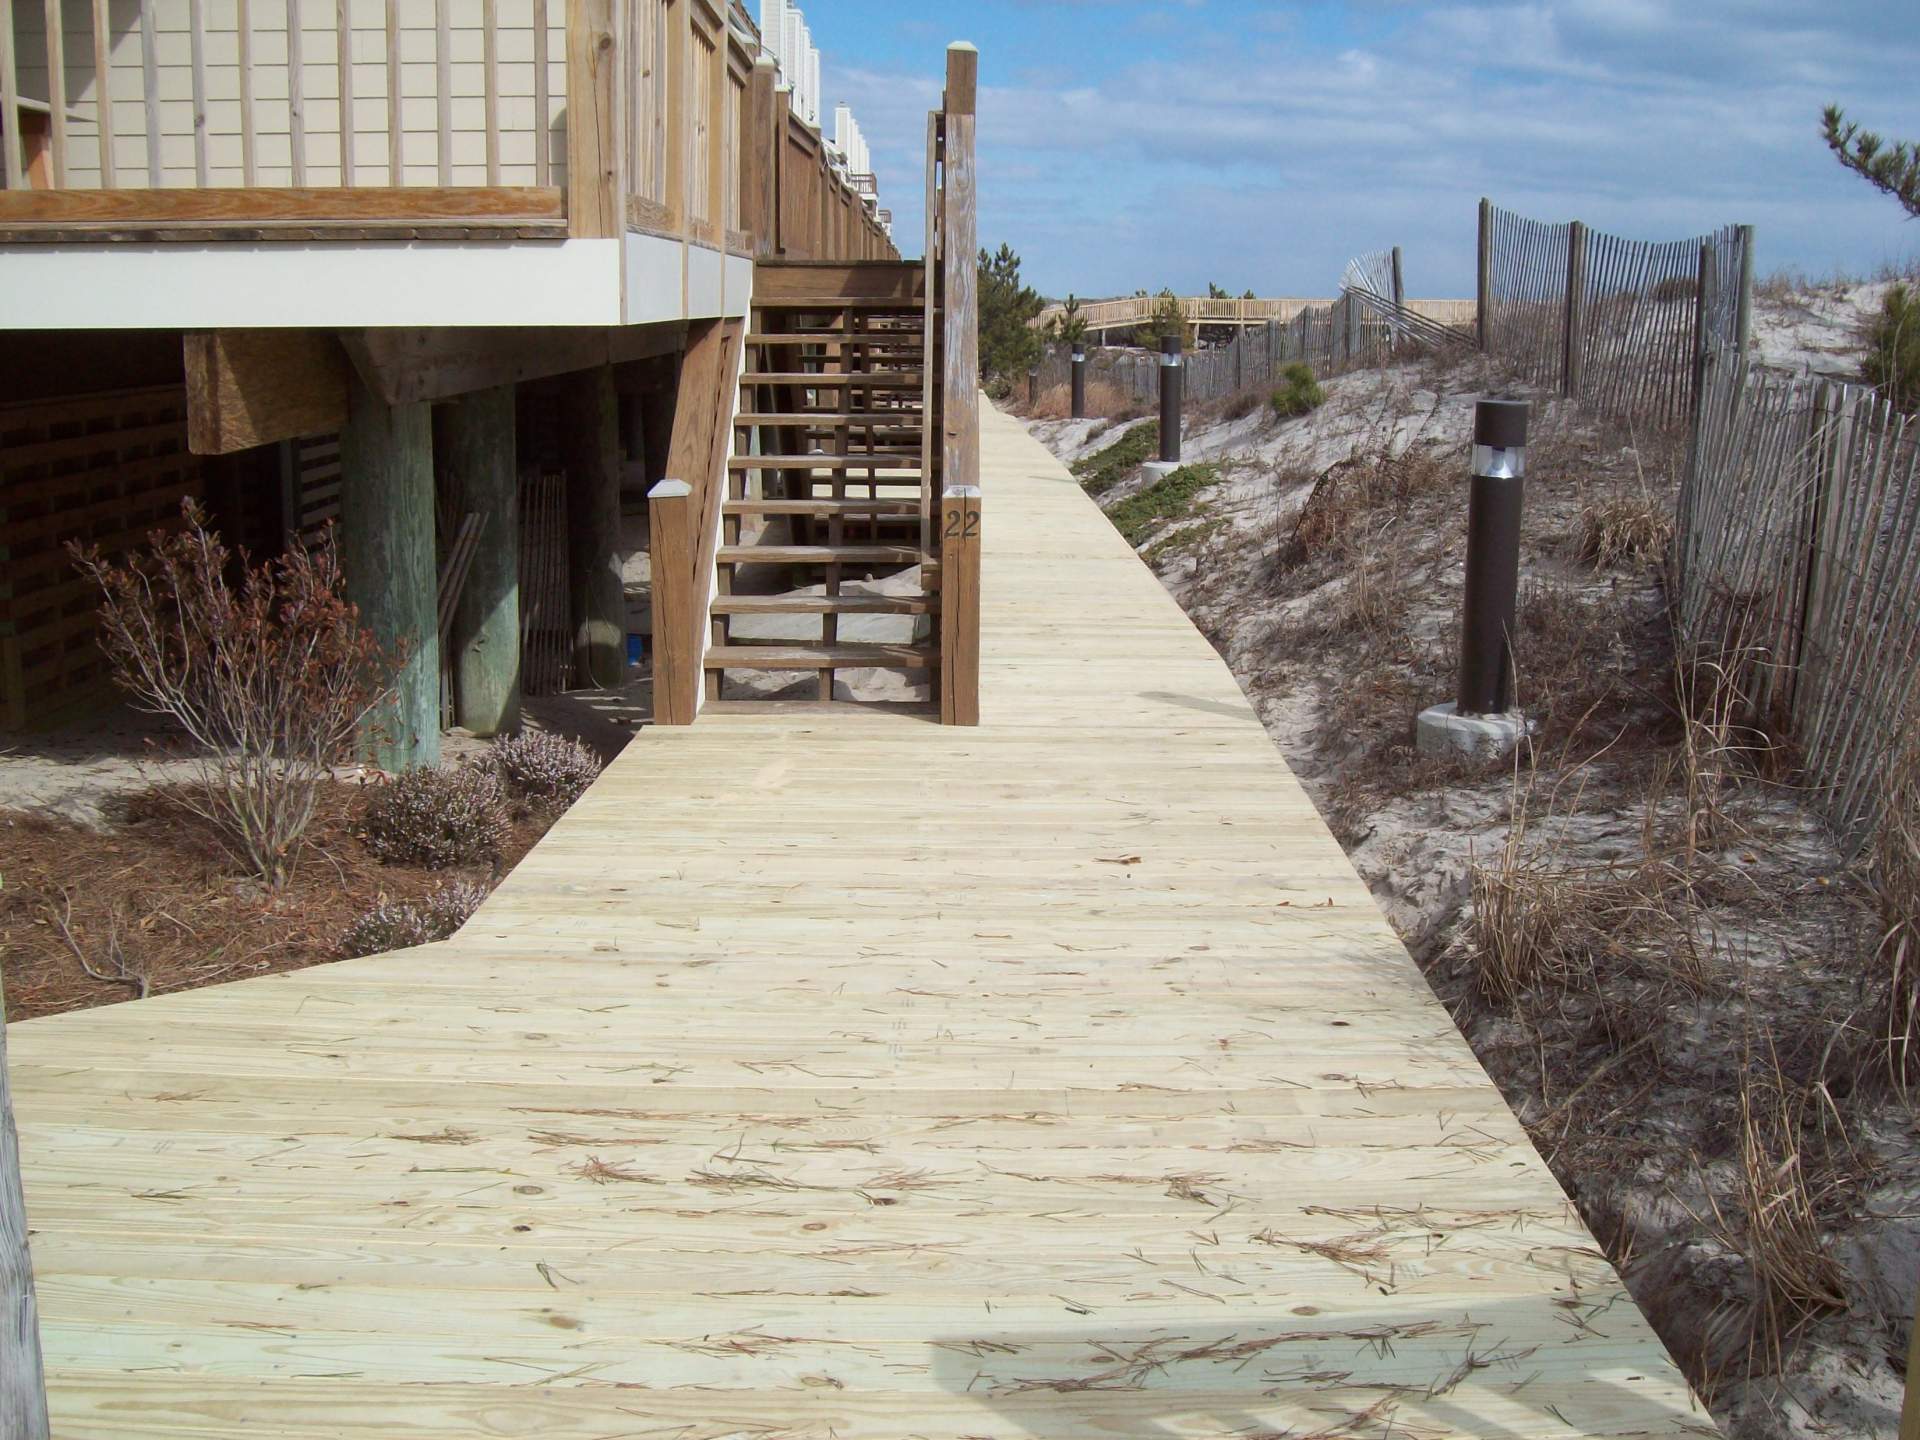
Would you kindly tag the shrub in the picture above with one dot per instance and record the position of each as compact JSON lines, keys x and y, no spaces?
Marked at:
{"x":1238,"y":407}
{"x":1301,"y":394}
{"x":453,"y":815}
{"x":402,"y":924}
{"x":1104,"y":469}
{"x":547,"y":771}
{"x":270,"y":674}
{"x":1893,"y":348}
{"x":1169,"y":498}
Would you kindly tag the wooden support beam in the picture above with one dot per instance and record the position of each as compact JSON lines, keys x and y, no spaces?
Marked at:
{"x":596,"y":165}
{"x":676,"y":623}
{"x":960,"y":605}
{"x":23,"y":1391}
{"x":402,"y":366}
{"x":258,"y":387}
{"x":476,"y":471}
{"x":590,"y":443}
{"x":387,"y":556}
{"x":1483,"y":278}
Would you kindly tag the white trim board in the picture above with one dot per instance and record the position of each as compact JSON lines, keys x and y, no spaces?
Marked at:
{"x":300,"y":286}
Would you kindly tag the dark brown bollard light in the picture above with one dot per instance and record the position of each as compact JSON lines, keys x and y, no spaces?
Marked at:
{"x":1079,"y":382}
{"x":1170,"y":386}
{"x":1493,"y":557}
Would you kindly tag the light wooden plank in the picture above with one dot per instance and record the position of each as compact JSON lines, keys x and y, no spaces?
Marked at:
{"x":443,"y":89}
{"x":1051,"y":1110}
{"x":57,"y":89}
{"x":490,"y":61}
{"x":249,"y":157}
{"x":343,"y":59}
{"x":396,"y":125}
{"x":12,"y":154}
{"x":23,"y":1398}
{"x":297,"y":90}
{"x":103,"y":104}
{"x":268,"y":206}
{"x":150,"y":88}
{"x":542,"y":100}
{"x":197,"y":26}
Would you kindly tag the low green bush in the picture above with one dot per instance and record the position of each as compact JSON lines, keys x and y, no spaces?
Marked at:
{"x":1106,"y":468}
{"x":1169,"y":498}
{"x":1300,"y":395}
{"x":1893,"y":348}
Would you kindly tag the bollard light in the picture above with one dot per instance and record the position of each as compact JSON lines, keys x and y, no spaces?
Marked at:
{"x":1079,"y":382}
{"x":1170,"y":388}
{"x":1493,"y":557}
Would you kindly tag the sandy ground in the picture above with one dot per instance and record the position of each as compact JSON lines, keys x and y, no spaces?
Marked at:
{"x":1769,"y":904}
{"x":1816,"y":331}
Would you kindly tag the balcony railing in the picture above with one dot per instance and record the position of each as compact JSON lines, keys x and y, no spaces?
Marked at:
{"x":525,"y":117}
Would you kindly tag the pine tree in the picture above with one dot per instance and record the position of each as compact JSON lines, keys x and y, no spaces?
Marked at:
{"x":1893,"y":168}
{"x":1009,"y":345}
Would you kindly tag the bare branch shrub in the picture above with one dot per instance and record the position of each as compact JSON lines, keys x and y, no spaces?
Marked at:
{"x":271,"y":677}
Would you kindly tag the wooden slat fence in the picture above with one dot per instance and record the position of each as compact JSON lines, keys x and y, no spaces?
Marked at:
{"x":1621,"y":324}
{"x":1797,"y":564}
{"x":1348,"y":334}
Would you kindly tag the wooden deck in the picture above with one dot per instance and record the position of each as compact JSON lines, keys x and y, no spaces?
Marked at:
{"x":853,"y":1077}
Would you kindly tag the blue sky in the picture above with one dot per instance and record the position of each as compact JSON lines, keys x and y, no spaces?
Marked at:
{"x":1131,"y":144}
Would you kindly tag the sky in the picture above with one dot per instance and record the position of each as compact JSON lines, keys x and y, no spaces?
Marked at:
{"x":1136,"y":144}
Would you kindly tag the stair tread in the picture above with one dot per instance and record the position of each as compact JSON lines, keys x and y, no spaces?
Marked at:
{"x":918,"y":709}
{"x":839,"y":302}
{"x":802,"y":420}
{"x":897,"y":339}
{"x":777,"y":506}
{"x":816,"y":554}
{"x":789,"y":656}
{"x":824,"y":604}
{"x":814,"y":380}
{"x":896,"y":463}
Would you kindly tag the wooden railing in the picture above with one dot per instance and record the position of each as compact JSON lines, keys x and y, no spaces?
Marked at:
{"x":1203,"y":310}
{"x":545,"y":116}
{"x":952,"y":245}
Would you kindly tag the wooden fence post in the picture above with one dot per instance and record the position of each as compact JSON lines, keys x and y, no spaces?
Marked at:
{"x":1273,"y":350}
{"x":1399,"y":293}
{"x":675,"y":655}
{"x":1743,"y":301}
{"x":1483,"y":295}
{"x":23,"y":1390}
{"x":1573,"y":347}
{"x":1702,"y":317}
{"x":960,"y":605}
{"x":596,"y":167}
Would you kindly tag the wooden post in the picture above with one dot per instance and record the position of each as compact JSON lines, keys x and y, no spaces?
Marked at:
{"x":1702,"y":310}
{"x":1483,"y":294}
{"x":23,"y":1390}
{"x":758,"y":149}
{"x":960,"y":605}
{"x":960,"y":400}
{"x":1743,"y":300}
{"x":387,"y":554}
{"x":596,"y":165}
{"x":590,"y":443}
{"x":13,"y":160}
{"x":783,"y":178}
{"x":473,"y":453}
{"x":1399,"y":294}
{"x":1573,"y":347}
{"x":676,"y":658}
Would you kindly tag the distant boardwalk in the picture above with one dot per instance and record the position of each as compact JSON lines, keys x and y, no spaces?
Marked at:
{"x":859,"y":1078}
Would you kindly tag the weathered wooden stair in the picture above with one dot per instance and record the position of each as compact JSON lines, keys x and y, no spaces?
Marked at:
{"x":827,"y":490}
{"x":825,"y":518}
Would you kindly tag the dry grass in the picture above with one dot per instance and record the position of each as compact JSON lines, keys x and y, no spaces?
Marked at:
{"x":1339,"y":520}
{"x":1775,"y":1217}
{"x":1105,"y":401}
{"x":1623,"y":528}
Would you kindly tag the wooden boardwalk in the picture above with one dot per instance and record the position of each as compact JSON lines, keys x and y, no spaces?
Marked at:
{"x":853,"y":1077}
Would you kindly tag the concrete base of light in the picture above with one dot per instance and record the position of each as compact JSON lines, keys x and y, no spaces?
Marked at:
{"x":1443,"y":733}
{"x":1159,"y":469}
